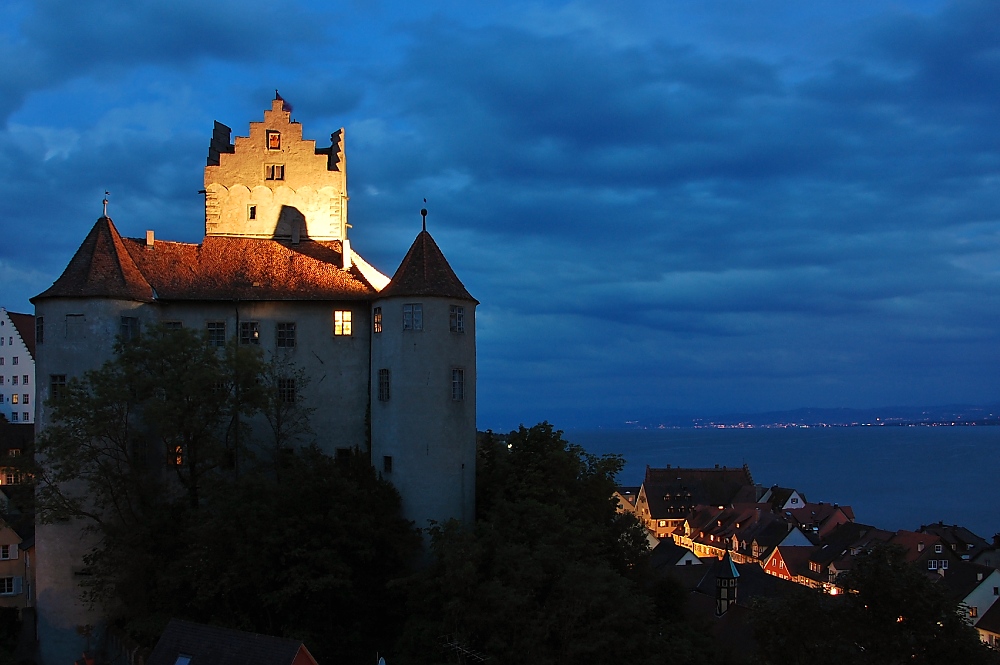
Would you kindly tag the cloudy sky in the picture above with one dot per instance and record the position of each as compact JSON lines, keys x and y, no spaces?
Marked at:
{"x":662,"y":206}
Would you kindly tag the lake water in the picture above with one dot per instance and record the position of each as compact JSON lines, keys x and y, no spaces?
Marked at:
{"x":893,"y":477}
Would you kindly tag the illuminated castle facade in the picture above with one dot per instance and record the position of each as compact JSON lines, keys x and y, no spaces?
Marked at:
{"x":390,"y":361}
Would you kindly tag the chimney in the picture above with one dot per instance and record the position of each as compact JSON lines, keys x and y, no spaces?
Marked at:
{"x":149,"y":240}
{"x":346,"y":249}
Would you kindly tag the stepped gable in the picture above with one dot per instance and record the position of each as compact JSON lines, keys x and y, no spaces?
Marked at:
{"x":101,"y":268}
{"x":425,"y":272}
{"x":223,"y":268}
{"x":25,"y":324}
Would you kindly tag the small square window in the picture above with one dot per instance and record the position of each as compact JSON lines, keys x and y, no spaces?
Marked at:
{"x":387,"y":463}
{"x":377,"y":320}
{"x":383,"y":385}
{"x":216,"y":333}
{"x":251,"y":212}
{"x":249,"y":332}
{"x":937,"y":549}
{"x":456,"y":319}
{"x":342,"y":322}
{"x":274,"y":172}
{"x":413,"y":316}
{"x":273,"y":140}
{"x":286,"y":335}
{"x":458,"y":384}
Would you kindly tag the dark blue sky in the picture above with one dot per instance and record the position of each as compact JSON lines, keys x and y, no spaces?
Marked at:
{"x":662,"y":206}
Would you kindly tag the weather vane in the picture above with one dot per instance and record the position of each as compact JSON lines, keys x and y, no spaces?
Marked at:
{"x":423,"y":214}
{"x":106,"y":194}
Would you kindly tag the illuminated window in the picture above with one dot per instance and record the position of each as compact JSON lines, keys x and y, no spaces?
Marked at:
{"x":251,"y":212}
{"x":13,"y":399}
{"x":342,"y":322}
{"x":129,"y":328}
{"x":39,"y":329}
{"x":413,"y":316}
{"x":383,"y":385}
{"x":387,"y":463}
{"x":973,"y":611}
{"x":175,"y":455}
{"x":216,"y":333}
{"x":273,"y":140}
{"x":249,"y":332}
{"x":377,"y":320}
{"x":456,"y":319}
{"x":286,"y":335}
{"x":286,"y":391}
{"x":274,"y":172}
{"x":662,"y":523}
{"x":57,"y":386}
{"x":458,"y":384}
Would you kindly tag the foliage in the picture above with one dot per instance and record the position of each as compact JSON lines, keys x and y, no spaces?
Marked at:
{"x":550,"y":572}
{"x":892,"y":613}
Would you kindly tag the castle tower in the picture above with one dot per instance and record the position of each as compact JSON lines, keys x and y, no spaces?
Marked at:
{"x":726,"y":584}
{"x":424,"y":387}
{"x":275,"y":184}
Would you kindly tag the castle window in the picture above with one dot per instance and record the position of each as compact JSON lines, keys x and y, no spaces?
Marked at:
{"x":286,"y":391}
{"x":24,"y":398}
{"x":413,"y":316}
{"x":25,"y":414}
{"x":216,"y":333}
{"x":456,"y":319}
{"x":273,"y":140}
{"x":13,"y":399}
{"x":458,"y":384}
{"x":13,"y":415}
{"x":24,"y":379}
{"x":1,"y":380}
{"x":13,"y":380}
{"x":251,"y":212}
{"x":377,"y":320}
{"x":129,"y":328}
{"x":387,"y":463}
{"x":57,"y":386}
{"x":39,"y":329}
{"x":342,"y":322}
{"x":286,"y":335}
{"x":274,"y":172}
{"x":383,"y":385}
{"x":249,"y":332}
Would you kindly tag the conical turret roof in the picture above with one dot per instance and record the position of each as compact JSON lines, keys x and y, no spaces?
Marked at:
{"x":101,"y":268}
{"x":425,"y":272}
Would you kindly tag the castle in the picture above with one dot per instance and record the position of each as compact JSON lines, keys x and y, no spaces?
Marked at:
{"x":390,"y":361}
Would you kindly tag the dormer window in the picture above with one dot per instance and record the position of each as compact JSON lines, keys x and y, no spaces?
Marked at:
{"x":273,"y":140}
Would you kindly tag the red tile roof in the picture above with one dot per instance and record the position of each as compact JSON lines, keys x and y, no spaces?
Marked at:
{"x":425,"y":272}
{"x":221,"y":268}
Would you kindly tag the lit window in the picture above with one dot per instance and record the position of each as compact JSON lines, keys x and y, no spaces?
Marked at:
{"x":377,"y":320}
{"x":662,"y":523}
{"x":251,"y":212}
{"x":413,"y":317}
{"x":286,"y":335}
{"x":129,"y":328}
{"x":249,"y":332}
{"x":387,"y":463}
{"x":383,"y":385}
{"x":342,"y":322}
{"x":216,"y":333}
{"x":973,"y":611}
{"x":39,"y":329}
{"x":456,"y":319}
{"x":458,"y":384}
{"x":286,"y":391}
{"x":273,"y":140}
{"x":13,"y":399}
{"x":57,"y":386}
{"x":175,"y":455}
{"x":274,"y":172}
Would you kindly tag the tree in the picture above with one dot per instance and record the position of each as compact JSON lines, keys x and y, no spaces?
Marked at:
{"x":550,"y":572}
{"x":892,"y":613}
{"x":285,"y":387}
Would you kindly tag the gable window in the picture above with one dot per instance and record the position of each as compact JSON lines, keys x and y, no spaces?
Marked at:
{"x":342,"y":322}
{"x":456,"y":318}
{"x":274,"y":172}
{"x":458,"y":384}
{"x":286,"y":335}
{"x":39,"y":329}
{"x":943,"y":564}
{"x":129,"y":328}
{"x":286,"y":391}
{"x":8,"y":552}
{"x":216,"y":333}
{"x":377,"y":320}
{"x":383,"y":385}
{"x":413,"y":316}
{"x":932,"y":564}
{"x":273,"y":140}
{"x":249,"y":332}
{"x":251,"y":212}
{"x":937,"y":549}
{"x":57,"y":386}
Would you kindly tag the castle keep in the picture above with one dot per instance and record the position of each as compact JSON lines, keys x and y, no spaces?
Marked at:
{"x":390,"y":361}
